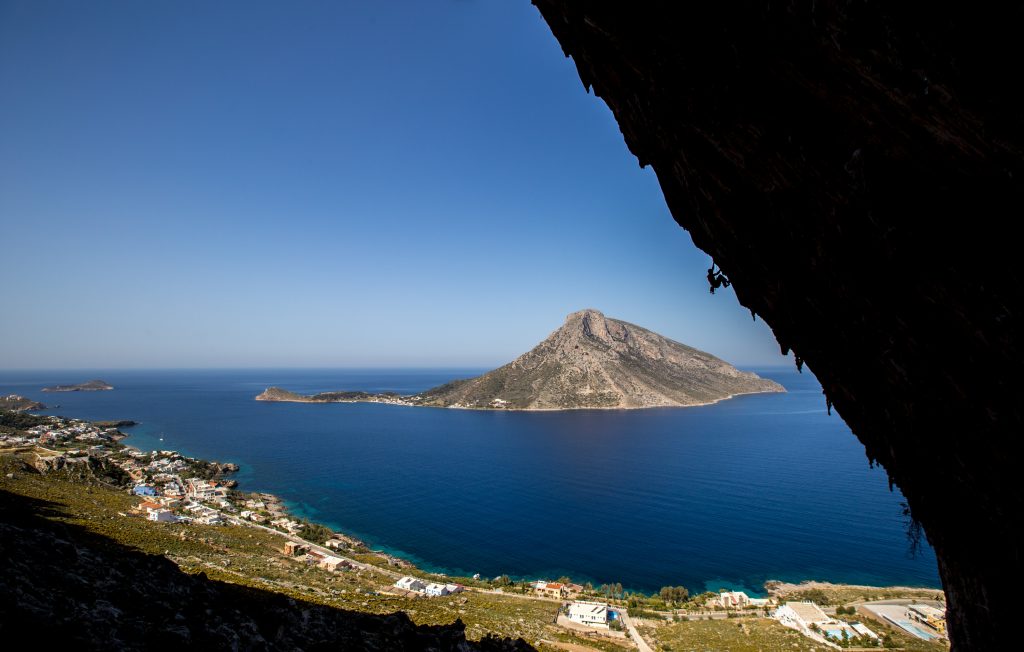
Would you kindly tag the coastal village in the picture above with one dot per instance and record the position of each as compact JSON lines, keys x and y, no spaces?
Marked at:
{"x":178,"y":491}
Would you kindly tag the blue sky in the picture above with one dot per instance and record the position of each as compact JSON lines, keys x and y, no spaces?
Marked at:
{"x":191,"y":184}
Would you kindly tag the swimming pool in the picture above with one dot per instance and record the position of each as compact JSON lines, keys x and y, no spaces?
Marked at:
{"x":913,"y":629}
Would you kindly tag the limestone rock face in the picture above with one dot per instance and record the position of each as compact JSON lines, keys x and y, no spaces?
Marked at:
{"x":593,"y":361}
{"x":857,"y":171}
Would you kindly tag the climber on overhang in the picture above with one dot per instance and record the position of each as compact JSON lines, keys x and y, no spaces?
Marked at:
{"x":716,"y":279}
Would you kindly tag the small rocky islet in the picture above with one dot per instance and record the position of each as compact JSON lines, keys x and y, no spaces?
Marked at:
{"x":87,"y":386}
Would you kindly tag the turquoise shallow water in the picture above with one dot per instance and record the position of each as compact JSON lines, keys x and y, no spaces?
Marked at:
{"x":729,"y":495}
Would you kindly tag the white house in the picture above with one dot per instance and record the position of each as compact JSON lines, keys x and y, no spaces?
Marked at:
{"x":594,"y":614}
{"x":435,"y":590}
{"x":411,"y":584}
{"x":733,"y":599}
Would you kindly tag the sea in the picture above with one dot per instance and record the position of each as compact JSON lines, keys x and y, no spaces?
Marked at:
{"x":730,"y":495}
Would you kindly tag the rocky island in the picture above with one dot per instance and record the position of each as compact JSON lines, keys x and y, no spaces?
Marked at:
{"x":87,"y":386}
{"x":592,"y":361}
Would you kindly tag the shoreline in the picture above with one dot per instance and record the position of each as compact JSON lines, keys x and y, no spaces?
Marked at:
{"x":395,"y":558}
{"x":400,"y":403}
{"x":414,"y":562}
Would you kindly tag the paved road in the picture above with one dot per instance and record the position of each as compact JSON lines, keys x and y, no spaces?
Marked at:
{"x":641,"y":644}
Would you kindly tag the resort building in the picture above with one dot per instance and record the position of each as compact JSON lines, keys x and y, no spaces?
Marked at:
{"x":593,"y":614}
{"x":801,"y":615}
{"x":928,"y":615}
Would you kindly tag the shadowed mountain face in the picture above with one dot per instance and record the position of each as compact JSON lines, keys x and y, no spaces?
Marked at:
{"x":857,"y":170}
{"x":596,"y":362}
{"x":61,"y":583}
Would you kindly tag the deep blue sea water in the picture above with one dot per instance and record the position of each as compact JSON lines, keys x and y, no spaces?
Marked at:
{"x":729,"y":495}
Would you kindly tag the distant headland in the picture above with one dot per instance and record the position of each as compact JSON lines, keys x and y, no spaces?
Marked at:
{"x":87,"y":386}
{"x":591,"y":362}
{"x":19,"y":404}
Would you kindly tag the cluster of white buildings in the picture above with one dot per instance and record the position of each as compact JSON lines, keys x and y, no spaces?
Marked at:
{"x":430,"y":589}
{"x":205,"y":515}
{"x":161,"y":466}
{"x":287,"y":524}
{"x":59,"y":430}
{"x":160,"y":509}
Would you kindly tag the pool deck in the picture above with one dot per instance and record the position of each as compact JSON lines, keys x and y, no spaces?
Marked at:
{"x":896,"y":614}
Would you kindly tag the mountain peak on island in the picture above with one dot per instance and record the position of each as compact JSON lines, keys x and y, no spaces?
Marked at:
{"x":593,"y":361}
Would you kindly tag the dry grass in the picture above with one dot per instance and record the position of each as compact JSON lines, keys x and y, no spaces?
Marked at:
{"x":252,"y":557}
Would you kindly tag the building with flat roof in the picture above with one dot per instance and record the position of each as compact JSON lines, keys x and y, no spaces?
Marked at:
{"x":801,"y":616}
{"x":411,"y":584}
{"x":593,"y":614}
{"x":733,"y":599}
{"x":332,"y":563}
{"x":162,"y":516}
{"x":862,"y":630}
{"x":923,"y":613}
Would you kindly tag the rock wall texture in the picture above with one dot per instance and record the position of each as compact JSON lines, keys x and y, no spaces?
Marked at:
{"x":855,"y":168}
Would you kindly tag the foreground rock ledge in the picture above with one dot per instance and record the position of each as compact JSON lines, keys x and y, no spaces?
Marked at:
{"x":855,"y":169}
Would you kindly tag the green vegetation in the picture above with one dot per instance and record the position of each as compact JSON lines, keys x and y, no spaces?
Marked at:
{"x":315,"y":532}
{"x":673,"y":595}
{"x":17,"y":421}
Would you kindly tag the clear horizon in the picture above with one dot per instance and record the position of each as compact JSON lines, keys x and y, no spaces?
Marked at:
{"x":329,"y":187}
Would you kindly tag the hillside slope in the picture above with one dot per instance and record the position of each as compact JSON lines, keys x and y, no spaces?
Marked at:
{"x":596,"y":362}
